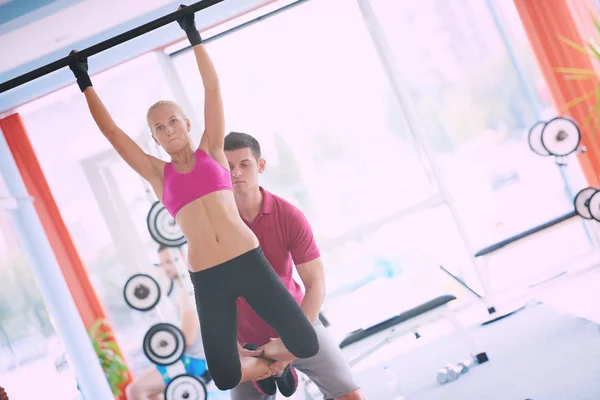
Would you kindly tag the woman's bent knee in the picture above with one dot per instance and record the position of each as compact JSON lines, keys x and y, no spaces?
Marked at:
{"x":307,"y":348}
{"x":308,"y":351}
{"x":226,"y":380}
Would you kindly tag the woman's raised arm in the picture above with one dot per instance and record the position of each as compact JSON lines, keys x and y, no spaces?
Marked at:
{"x":133,"y":155}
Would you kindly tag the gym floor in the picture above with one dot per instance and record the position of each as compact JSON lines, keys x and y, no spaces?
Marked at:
{"x":575,"y":293}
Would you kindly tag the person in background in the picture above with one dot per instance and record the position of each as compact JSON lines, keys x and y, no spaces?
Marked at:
{"x":153,"y":382}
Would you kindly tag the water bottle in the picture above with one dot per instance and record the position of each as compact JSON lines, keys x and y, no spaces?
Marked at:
{"x":392,"y":383}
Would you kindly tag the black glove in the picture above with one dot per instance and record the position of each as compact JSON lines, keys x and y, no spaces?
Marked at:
{"x":189,"y":27}
{"x":79,"y":66}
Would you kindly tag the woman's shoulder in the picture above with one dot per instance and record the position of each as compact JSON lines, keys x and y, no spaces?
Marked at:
{"x":158,"y":163}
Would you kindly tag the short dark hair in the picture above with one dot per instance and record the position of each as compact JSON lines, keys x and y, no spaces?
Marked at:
{"x":240,"y":140}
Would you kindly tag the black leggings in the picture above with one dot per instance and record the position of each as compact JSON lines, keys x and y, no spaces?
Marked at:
{"x":249,"y":276}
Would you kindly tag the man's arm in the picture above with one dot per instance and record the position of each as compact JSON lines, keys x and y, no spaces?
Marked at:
{"x":312,"y":275}
{"x":309,"y":264}
{"x":307,"y":258}
{"x":190,"y":325}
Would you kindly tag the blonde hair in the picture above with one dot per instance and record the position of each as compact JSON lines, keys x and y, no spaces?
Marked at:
{"x":162,"y":103}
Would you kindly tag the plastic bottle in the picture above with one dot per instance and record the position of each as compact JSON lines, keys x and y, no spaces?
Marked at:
{"x":392,"y":383}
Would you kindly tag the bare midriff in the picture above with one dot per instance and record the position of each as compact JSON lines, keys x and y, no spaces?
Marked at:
{"x":214,"y":230}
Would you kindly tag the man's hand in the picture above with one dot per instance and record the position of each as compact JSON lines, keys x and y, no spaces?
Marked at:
{"x":249,"y":353}
{"x":275,"y":368}
{"x":276,"y":350}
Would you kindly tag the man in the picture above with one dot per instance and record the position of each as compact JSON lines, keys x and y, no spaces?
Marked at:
{"x":152,"y":383}
{"x":286,"y":238}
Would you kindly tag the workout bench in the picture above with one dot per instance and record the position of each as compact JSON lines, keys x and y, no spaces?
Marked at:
{"x":409,"y":321}
{"x":482,"y":266}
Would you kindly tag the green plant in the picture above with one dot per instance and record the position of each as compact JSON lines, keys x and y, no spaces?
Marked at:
{"x":592,"y":50}
{"x":109,"y":355}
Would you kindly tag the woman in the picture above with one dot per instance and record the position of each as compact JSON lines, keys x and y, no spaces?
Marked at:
{"x":224,"y":256}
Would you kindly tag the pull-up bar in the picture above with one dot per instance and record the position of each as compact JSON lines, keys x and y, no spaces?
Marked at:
{"x":107,"y":44}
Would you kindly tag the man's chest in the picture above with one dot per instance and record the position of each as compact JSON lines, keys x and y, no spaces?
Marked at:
{"x":274,"y":243}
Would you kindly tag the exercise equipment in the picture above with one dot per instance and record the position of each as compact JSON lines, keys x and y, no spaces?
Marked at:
{"x":163,"y":228}
{"x":107,"y":44}
{"x":465,"y":365}
{"x":185,"y":387}
{"x":449,"y":373}
{"x":452,"y":372}
{"x":142,"y":292}
{"x":561,"y":136}
{"x":164,"y":344}
{"x":482,"y":257}
{"x":535,"y":139}
{"x":558,"y":137}
{"x":594,"y":205}
{"x":582,"y":202}
{"x":377,"y":336}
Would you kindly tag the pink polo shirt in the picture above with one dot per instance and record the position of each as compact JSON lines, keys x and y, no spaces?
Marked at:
{"x":286,"y":239}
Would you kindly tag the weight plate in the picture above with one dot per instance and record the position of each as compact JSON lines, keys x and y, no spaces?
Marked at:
{"x":561,"y":136}
{"x":582,"y":200}
{"x":163,"y":228}
{"x":141,"y":292}
{"x":185,"y":387}
{"x":594,"y":206}
{"x":164,"y":344}
{"x":535,"y":139}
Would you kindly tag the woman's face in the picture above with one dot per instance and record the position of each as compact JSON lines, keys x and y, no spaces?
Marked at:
{"x":169,"y":128}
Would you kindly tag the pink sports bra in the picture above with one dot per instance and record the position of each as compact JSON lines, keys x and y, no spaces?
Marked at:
{"x":180,"y":189}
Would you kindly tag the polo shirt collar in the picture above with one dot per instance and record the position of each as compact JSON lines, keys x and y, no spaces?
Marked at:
{"x":267,"y":201}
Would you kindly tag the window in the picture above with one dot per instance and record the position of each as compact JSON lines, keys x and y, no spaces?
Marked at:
{"x":475,"y":99}
{"x":395,"y":267}
{"x":309,"y":86}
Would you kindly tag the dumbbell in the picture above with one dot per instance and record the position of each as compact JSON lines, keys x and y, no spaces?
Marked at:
{"x":452,"y":372}
{"x":587,"y":203}
{"x":558,"y":137}
{"x":464,"y":365}
{"x":449,"y":373}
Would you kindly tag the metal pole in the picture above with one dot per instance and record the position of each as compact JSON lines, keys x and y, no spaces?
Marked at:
{"x":49,"y":277}
{"x":246,"y":24}
{"x":107,"y":44}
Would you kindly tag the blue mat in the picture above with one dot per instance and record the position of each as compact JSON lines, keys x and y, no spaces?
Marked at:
{"x":539,"y":354}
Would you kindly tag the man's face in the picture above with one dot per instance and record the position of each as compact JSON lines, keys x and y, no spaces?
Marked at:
{"x":167,"y":264}
{"x":244,"y":169}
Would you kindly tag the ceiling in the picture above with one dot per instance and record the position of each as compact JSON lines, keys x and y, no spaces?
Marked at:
{"x":36,"y":32}
{"x":33,"y":28}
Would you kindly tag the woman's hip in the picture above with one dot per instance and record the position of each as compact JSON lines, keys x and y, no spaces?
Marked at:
{"x":203,"y":255}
